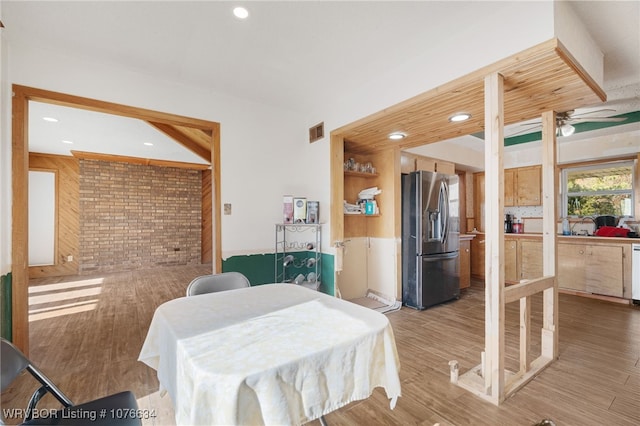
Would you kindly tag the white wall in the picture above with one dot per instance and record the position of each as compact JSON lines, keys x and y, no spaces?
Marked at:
{"x":486,"y":32}
{"x":601,"y":144}
{"x":265,"y":150}
{"x":5,"y":158}
{"x":575,"y":37}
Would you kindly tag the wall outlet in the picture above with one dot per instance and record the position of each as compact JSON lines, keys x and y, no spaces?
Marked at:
{"x":227,"y":208}
{"x":69,"y":258}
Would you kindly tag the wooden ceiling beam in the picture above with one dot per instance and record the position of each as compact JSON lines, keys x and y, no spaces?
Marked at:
{"x":190,"y":140}
{"x":542,"y":78}
{"x":137,"y":160}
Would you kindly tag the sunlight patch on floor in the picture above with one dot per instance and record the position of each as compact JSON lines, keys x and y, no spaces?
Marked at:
{"x":73,"y":308}
{"x":53,"y":300}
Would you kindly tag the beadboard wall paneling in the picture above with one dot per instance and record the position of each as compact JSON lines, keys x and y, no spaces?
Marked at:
{"x":67,"y":223}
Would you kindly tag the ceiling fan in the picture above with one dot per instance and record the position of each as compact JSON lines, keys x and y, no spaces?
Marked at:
{"x":565,"y":121}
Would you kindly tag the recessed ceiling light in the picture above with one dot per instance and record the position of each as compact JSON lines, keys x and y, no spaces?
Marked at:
{"x":397,"y":136}
{"x":459,"y":116}
{"x":240,"y":12}
{"x":148,"y":144}
{"x":50,"y":119}
{"x":67,"y":142}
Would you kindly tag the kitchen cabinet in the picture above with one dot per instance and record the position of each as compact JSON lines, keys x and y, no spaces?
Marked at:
{"x":478,"y":201}
{"x":511,"y":260}
{"x":509,"y":187}
{"x":571,"y":274}
{"x":591,"y":268}
{"x":465,"y":263}
{"x":477,"y":256}
{"x":530,"y":259}
{"x":407,"y":163}
{"x":590,"y":265}
{"x":528,"y":184}
{"x":522,"y":187}
{"x":522,"y":258}
{"x":412,"y":162}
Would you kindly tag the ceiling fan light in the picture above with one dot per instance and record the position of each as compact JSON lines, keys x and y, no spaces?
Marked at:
{"x":567,"y":129}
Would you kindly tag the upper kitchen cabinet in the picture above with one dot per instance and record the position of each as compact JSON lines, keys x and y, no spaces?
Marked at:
{"x":522,"y":187}
{"x":528,"y":186}
{"x":412,"y":162}
{"x":510,"y":195}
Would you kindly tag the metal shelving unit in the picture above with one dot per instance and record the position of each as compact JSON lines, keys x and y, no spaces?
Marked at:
{"x":298,"y":257}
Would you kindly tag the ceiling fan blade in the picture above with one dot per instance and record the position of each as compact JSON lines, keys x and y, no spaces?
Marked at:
{"x":592,"y":112}
{"x":597,"y":120}
{"x":524,"y":131}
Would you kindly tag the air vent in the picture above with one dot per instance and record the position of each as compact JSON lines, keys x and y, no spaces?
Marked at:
{"x":316,"y":132}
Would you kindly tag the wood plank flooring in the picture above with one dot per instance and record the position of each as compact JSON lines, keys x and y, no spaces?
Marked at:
{"x":86,"y":333}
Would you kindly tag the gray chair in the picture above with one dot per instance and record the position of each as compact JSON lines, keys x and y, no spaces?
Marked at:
{"x":217,"y":282}
{"x":117,"y":409}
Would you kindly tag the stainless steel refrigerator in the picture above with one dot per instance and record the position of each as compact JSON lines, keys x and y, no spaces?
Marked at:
{"x":430,"y":239}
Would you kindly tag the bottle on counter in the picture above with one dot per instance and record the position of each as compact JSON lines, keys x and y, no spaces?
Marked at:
{"x":566,"y":230}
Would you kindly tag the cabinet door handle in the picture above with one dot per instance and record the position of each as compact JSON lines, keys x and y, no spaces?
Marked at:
{"x":581,"y":251}
{"x":467,"y":250}
{"x":481,"y":242}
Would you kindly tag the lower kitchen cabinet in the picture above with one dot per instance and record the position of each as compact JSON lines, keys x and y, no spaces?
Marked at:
{"x":597,"y":267}
{"x":477,"y":256}
{"x":465,"y":263}
{"x":571,"y":264}
{"x":530,"y":259}
{"x":511,"y":260}
{"x":594,"y":269}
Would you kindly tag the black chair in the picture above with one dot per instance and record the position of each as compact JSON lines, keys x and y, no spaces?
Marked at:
{"x":120,"y":409}
{"x":217,"y":282}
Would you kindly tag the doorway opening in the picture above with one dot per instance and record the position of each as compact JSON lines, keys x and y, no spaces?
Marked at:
{"x":200,"y":136}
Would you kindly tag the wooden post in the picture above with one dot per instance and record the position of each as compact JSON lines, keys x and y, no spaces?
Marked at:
{"x":549,"y":230}
{"x":19,"y":221}
{"x":525,"y":333}
{"x":494,"y":229}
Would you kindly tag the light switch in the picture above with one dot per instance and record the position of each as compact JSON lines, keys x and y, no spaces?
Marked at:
{"x":227,"y":208}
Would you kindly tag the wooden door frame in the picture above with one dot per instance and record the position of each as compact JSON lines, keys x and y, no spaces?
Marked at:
{"x":20,"y":175}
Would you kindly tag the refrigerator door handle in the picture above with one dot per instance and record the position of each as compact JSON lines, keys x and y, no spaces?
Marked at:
{"x":444,"y":208}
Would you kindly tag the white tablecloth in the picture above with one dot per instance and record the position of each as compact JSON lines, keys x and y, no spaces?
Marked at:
{"x":270,"y":354}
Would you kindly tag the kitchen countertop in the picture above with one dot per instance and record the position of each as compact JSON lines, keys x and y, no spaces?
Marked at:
{"x":576,"y":238}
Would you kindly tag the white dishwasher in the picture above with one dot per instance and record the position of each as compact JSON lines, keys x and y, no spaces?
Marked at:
{"x":635,"y":273}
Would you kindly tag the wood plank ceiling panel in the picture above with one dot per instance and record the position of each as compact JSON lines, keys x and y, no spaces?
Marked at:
{"x":539,"y":79}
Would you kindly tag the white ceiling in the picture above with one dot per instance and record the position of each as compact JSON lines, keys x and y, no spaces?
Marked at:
{"x":288,"y":54}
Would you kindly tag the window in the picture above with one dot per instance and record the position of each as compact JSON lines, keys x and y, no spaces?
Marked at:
{"x":602,"y":189}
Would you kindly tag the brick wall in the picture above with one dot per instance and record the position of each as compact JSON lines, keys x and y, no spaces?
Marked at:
{"x":136,"y":217}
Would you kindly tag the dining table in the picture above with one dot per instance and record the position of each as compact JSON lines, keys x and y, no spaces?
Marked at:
{"x":268,"y":354}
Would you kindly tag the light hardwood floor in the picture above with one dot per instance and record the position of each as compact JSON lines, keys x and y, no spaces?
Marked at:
{"x":86,"y":333}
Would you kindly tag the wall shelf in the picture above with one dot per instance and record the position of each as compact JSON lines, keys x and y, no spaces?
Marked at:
{"x":360,"y":174}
